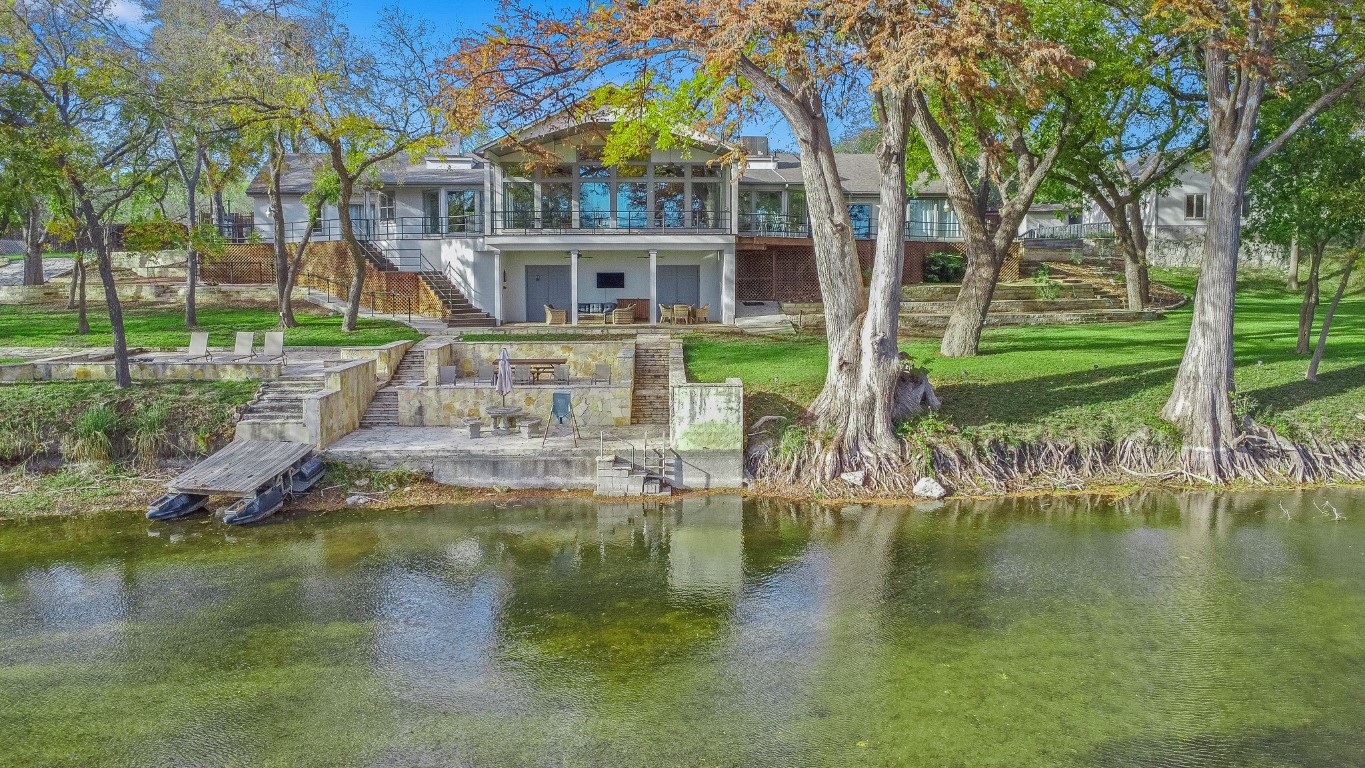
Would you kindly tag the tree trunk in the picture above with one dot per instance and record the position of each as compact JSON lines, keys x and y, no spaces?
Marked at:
{"x":1200,"y":403}
{"x":99,"y":238}
{"x":1312,"y":295}
{"x":82,"y":313}
{"x":284,"y":277}
{"x":1327,"y":319}
{"x":962,"y":337}
{"x":1292,"y":283}
{"x":191,"y":257}
{"x":34,"y":230}
{"x":346,"y":190}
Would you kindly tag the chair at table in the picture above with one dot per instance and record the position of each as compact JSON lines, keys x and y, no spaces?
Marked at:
{"x":601,"y":373}
{"x":682,"y":313}
{"x":484,"y":375}
{"x":521,"y":374}
{"x":556,"y":316}
{"x":665,"y":314}
{"x":561,"y":374}
{"x":703,"y":314}
{"x":447,"y":374}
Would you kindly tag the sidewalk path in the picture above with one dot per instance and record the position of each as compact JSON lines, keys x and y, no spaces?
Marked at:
{"x":12,"y":272}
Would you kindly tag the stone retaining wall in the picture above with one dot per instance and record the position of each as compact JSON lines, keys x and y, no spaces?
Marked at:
{"x":85,"y":366}
{"x":386,"y":357}
{"x":583,"y":357}
{"x":432,"y":406}
{"x":335,"y":412}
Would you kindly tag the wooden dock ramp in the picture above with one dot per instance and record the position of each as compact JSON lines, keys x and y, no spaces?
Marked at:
{"x":241,"y":469}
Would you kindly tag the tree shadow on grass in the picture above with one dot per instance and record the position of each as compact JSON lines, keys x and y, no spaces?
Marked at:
{"x":1300,"y":391}
{"x":758,"y":404}
{"x":1030,"y":400}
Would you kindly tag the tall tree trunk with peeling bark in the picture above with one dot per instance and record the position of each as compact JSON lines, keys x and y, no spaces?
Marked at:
{"x":284,"y":278}
{"x":346,"y":190}
{"x":34,"y":231}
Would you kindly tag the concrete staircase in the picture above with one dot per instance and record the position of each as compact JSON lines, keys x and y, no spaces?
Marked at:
{"x":649,"y":402}
{"x":383,"y":410}
{"x":278,"y":407}
{"x":619,"y":477}
{"x":459,"y":312}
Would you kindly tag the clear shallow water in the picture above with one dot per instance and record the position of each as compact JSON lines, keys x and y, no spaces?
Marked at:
{"x":1161,"y":630}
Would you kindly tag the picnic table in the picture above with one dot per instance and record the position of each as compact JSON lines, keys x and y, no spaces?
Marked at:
{"x":540,"y":366}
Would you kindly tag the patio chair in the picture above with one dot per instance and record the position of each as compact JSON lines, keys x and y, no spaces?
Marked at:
{"x":703,"y":314}
{"x":484,"y":375}
{"x":556,"y":316}
{"x":623,"y":316}
{"x":665,"y":314}
{"x":682,"y":313}
{"x":561,"y":412}
{"x":601,"y":373}
{"x":561,"y":374}
{"x":521,"y":374}
{"x":274,"y":346}
{"x":244,"y":346}
{"x":199,"y":346}
{"x":447,"y":374}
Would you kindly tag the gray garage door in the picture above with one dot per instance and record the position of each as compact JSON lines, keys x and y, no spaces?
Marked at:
{"x":679,"y":284}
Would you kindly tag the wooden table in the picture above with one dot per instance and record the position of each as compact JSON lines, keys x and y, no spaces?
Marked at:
{"x":540,"y":366}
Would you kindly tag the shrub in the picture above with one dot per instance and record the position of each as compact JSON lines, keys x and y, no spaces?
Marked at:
{"x":94,"y":434}
{"x":944,"y":267}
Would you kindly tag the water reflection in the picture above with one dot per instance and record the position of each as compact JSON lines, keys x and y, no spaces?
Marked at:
{"x":1212,"y":629}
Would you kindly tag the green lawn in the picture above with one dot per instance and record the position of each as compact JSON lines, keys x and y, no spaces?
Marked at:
{"x":1088,"y":382}
{"x":164,"y":326}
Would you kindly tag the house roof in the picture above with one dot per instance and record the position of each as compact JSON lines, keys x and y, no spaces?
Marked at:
{"x":858,"y":174}
{"x":300,"y":168}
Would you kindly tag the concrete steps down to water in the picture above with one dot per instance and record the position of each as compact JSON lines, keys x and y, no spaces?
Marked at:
{"x":649,"y":404}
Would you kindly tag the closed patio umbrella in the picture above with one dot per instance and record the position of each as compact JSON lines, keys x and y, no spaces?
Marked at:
{"x":502,"y":382}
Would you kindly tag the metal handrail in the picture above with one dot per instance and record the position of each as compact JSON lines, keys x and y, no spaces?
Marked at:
{"x":343,"y":292}
{"x":1071,"y":232}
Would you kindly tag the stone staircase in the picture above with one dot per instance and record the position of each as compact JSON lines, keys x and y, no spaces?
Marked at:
{"x":383,"y":410}
{"x":459,"y":312}
{"x":649,"y":402}
{"x":619,"y":477}
{"x":278,"y":407}
{"x":1070,"y":301}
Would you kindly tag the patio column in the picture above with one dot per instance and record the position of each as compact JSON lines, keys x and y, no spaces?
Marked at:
{"x":573,"y":287}
{"x":727,"y":286}
{"x":653,"y":287}
{"x":497,"y":285}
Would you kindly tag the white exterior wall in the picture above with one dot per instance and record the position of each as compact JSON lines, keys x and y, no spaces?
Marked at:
{"x":634,"y":263}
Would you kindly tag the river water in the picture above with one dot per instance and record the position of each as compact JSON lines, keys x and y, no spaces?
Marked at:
{"x":1161,"y":629}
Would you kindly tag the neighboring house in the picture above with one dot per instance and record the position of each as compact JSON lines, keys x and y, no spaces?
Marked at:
{"x":517,"y":232}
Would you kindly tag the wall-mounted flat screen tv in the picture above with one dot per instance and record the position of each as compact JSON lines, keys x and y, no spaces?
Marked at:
{"x":611,"y":279}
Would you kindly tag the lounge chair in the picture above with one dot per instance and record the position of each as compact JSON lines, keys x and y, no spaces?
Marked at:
{"x":703,"y":314}
{"x":556,"y":316}
{"x":244,"y":346}
{"x":624,"y":316}
{"x":561,"y":374}
{"x":199,"y":346}
{"x":484,"y":375}
{"x":601,"y":373}
{"x":274,"y":347}
{"x":665,"y":314}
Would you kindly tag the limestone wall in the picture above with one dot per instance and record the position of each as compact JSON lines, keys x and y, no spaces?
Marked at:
{"x":429,"y":406}
{"x":86,"y":366}
{"x":335,"y":411}
{"x":386,"y":357}
{"x":437,"y":357}
{"x":583,"y":357}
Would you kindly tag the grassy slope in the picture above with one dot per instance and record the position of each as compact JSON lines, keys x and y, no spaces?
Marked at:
{"x":164,"y":326}
{"x":1089,"y":382}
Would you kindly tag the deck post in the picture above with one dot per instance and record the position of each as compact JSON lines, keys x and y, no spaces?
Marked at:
{"x":653,"y":287}
{"x":573,"y":287}
{"x":727,"y":286}
{"x":497,"y":285}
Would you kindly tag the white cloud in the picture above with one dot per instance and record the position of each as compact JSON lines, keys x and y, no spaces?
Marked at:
{"x":125,"y":11}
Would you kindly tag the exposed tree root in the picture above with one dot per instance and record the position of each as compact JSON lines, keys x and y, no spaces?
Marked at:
{"x":992,"y":468}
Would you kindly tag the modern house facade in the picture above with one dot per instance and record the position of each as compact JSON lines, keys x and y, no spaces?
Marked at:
{"x":544,"y":222}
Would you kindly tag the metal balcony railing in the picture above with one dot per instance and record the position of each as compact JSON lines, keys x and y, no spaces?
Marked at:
{"x":1100,"y":230}
{"x":524,"y":221}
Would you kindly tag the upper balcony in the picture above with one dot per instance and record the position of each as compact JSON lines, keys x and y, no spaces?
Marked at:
{"x":560,"y":221}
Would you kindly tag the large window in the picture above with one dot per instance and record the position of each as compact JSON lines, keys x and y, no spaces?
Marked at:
{"x":431,"y":211}
{"x":1194,"y":205}
{"x":931,"y":217}
{"x":637,"y":195}
{"x":384,"y":202}
{"x":861,"y":216}
{"x":462,"y":210}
